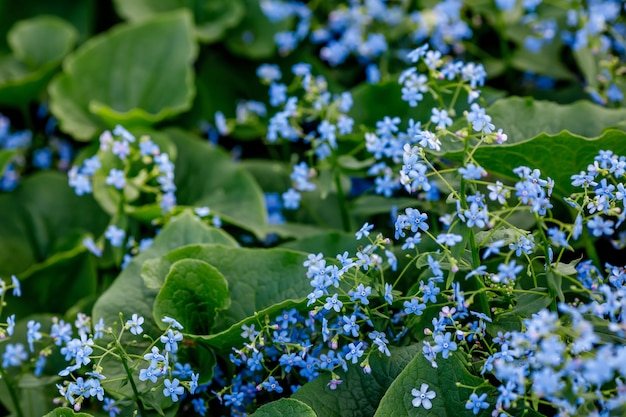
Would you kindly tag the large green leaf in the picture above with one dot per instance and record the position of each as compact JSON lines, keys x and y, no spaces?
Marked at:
{"x":55,"y":211}
{"x":38,"y":44}
{"x":129,"y":295}
{"x":41,"y":40}
{"x":359,"y":393}
{"x":557,"y":156}
{"x":212,"y":17}
{"x":261,"y":282}
{"x":524,"y":118}
{"x":285,"y":407}
{"x":218,"y":93}
{"x":560,"y":140}
{"x":257,"y":278}
{"x":207,"y":176}
{"x":449,"y":400}
{"x":193,"y":292}
{"x":41,"y":232}
{"x":134,"y":75}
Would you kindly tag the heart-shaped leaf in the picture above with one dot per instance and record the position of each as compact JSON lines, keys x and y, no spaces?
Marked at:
{"x":38,"y":44}
{"x":284,"y":407}
{"x":134,"y":75}
{"x":193,"y":293}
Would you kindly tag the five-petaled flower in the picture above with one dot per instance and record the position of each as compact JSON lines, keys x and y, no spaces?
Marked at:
{"x":423,"y":397}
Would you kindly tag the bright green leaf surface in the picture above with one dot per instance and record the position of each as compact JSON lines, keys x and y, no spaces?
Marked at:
{"x":38,"y":46}
{"x":450,"y":399}
{"x":257,"y":278}
{"x":207,"y":176}
{"x":528,"y":304}
{"x":359,"y":393}
{"x":80,"y":13}
{"x":129,"y":295}
{"x":193,"y":292}
{"x":134,"y":75}
{"x":41,"y":40}
{"x":558,"y":157}
{"x":560,"y":140}
{"x":523,"y":118}
{"x":285,"y":407}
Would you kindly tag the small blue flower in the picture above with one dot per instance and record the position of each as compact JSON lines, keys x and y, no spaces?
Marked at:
{"x":333,"y":303}
{"x":13,"y":355}
{"x":116,"y":178}
{"x":33,"y":333}
{"x":173,"y":389}
{"x":11,"y":324}
{"x":115,"y":235}
{"x":414,"y":307}
{"x":423,"y":397}
{"x":444,"y":344}
{"x":291,"y":199}
{"x":272,"y":385}
{"x":17,"y":290}
{"x":134,"y":324}
{"x":364,"y":231}
{"x":475,"y":403}
{"x":361,"y":293}
{"x":354,"y":352}
{"x":170,"y":340}
{"x":149,"y":374}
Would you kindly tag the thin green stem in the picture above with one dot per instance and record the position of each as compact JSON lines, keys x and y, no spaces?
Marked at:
{"x":129,"y":373}
{"x":341,"y":199}
{"x":12,"y":392}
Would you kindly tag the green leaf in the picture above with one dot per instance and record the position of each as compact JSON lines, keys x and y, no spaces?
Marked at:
{"x":525,"y":118}
{"x":38,"y":46}
{"x":286,"y":407}
{"x":65,"y":412}
{"x":218,"y":93}
{"x":367,"y":109}
{"x":79,"y":13}
{"x":547,"y":62}
{"x":56,"y":211}
{"x":367,"y":205}
{"x":528,"y":304}
{"x":261,"y":282}
{"x":449,"y":400}
{"x":41,"y":232}
{"x":257,"y":278}
{"x":359,"y":393}
{"x":6,"y":156}
{"x":212,"y":17}
{"x":536,"y":131}
{"x":129,"y":295}
{"x":193,"y":293}
{"x":42,"y":40}
{"x":254,"y":37}
{"x":134,"y":75}
{"x":330,"y":243}
{"x":206,"y":176}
